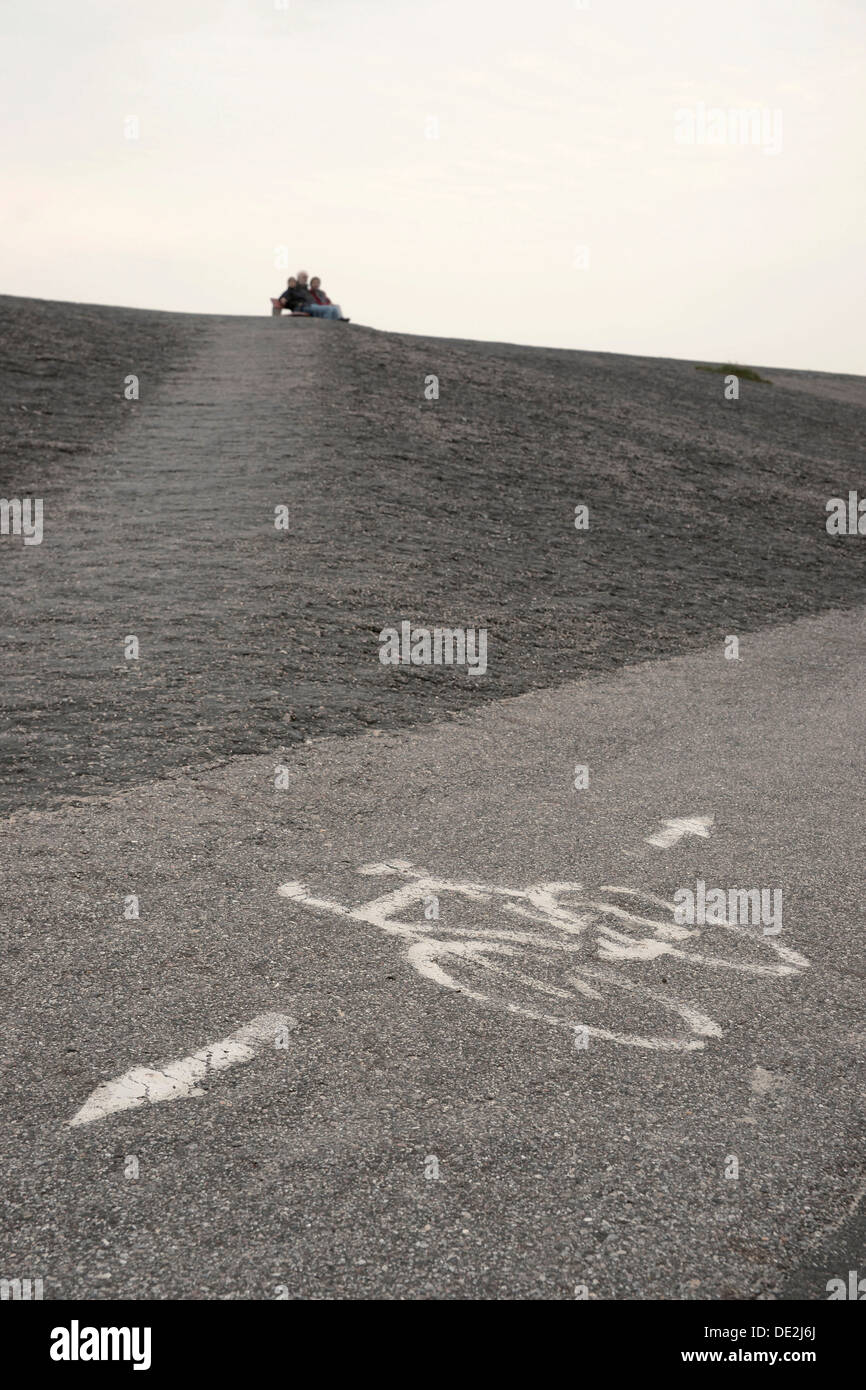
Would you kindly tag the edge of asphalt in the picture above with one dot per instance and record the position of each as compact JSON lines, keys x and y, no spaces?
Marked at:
{"x":526,"y":708}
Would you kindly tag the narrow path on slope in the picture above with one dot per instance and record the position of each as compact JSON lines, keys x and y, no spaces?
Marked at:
{"x":170,"y":538}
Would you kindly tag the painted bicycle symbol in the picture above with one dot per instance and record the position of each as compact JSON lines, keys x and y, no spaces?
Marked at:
{"x":561,"y":954}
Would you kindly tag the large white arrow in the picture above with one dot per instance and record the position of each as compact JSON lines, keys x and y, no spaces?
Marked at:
{"x":176,"y":1080}
{"x":674,"y":830}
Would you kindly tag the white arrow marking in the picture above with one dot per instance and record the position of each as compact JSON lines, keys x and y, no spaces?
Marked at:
{"x":177,"y":1080}
{"x":674,"y":830}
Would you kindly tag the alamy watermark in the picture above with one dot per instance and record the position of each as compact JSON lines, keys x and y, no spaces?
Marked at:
{"x":724,"y":907}
{"x":22,"y":518}
{"x":20,"y":1290}
{"x":439,"y":646}
{"x":846,"y":520}
{"x":77,"y":1343}
{"x":732,"y":125}
{"x":854,"y":1290}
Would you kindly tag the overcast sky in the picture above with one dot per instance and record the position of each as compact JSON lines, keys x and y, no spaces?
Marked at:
{"x":471,"y":168}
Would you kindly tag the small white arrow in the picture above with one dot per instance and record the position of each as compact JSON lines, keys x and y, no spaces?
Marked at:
{"x":674,"y":830}
{"x":176,"y":1080}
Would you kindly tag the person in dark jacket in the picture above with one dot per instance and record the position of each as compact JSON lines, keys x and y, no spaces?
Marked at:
{"x":295,"y":296}
{"x":292,"y":298}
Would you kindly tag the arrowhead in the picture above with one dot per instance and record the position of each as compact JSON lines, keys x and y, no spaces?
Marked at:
{"x":694,"y":825}
{"x":180,"y":1079}
{"x":674,"y":830}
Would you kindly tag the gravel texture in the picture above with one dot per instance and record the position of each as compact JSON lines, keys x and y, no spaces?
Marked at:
{"x":706,"y":519}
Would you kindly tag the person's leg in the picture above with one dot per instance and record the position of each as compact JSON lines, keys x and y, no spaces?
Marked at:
{"x":323,"y":311}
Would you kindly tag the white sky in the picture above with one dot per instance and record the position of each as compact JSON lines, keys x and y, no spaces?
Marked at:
{"x":307,"y":127}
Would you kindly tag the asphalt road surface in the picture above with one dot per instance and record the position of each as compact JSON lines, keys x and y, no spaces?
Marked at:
{"x":406,"y":1013}
{"x":406,"y":1138}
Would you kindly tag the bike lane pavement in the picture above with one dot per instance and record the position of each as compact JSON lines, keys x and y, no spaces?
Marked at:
{"x":583,"y":1099}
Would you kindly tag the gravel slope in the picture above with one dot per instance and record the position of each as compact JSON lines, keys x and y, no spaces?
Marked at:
{"x":706,"y":518}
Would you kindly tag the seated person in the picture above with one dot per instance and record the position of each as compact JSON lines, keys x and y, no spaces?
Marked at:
{"x":317,"y":294}
{"x":293,"y":298}
{"x":320,"y":308}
